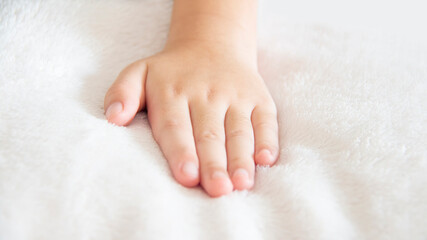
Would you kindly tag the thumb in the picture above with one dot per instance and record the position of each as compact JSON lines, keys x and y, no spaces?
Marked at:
{"x":127,"y":94}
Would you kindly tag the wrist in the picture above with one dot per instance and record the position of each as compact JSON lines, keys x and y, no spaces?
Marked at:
{"x":215,"y":33}
{"x":212,"y":51}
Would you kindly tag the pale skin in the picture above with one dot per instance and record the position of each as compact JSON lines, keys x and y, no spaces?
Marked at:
{"x":209,"y":109}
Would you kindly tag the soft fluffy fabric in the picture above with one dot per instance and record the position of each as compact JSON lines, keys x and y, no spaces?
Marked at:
{"x":351,"y":97}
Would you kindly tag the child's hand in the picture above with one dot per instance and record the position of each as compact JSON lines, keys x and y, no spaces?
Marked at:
{"x":206,"y":106}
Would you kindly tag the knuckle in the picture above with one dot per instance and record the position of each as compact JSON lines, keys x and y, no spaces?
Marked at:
{"x":208,"y":135}
{"x":265,"y":124}
{"x":212,"y":166}
{"x":265,"y":120}
{"x":162,"y":131}
{"x":238,"y":161}
{"x":213,"y":95}
{"x":178,"y":91}
{"x":172,"y":123}
{"x":238,"y":132}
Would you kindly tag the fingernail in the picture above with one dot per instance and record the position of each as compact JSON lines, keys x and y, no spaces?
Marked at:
{"x":241,"y":174}
{"x":218,"y":174}
{"x":265,"y":157}
{"x":113,"y":109}
{"x":190,"y":169}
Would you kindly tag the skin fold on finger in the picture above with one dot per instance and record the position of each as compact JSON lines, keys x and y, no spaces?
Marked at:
{"x":126,"y":96}
{"x":171,"y":126}
{"x":240,"y":146}
{"x":209,"y":136}
{"x":264,"y":121}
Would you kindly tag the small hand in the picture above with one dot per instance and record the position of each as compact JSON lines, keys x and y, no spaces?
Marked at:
{"x":209,"y":110}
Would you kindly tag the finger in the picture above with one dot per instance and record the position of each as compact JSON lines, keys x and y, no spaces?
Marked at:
{"x":264,"y":121}
{"x":208,"y":128}
{"x":171,"y":126}
{"x":240,"y":147}
{"x":126,"y":96}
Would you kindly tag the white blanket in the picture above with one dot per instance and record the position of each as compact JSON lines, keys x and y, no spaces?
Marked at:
{"x":349,"y":81}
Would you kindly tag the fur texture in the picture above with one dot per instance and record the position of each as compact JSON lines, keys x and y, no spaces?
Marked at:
{"x":353,"y":130}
